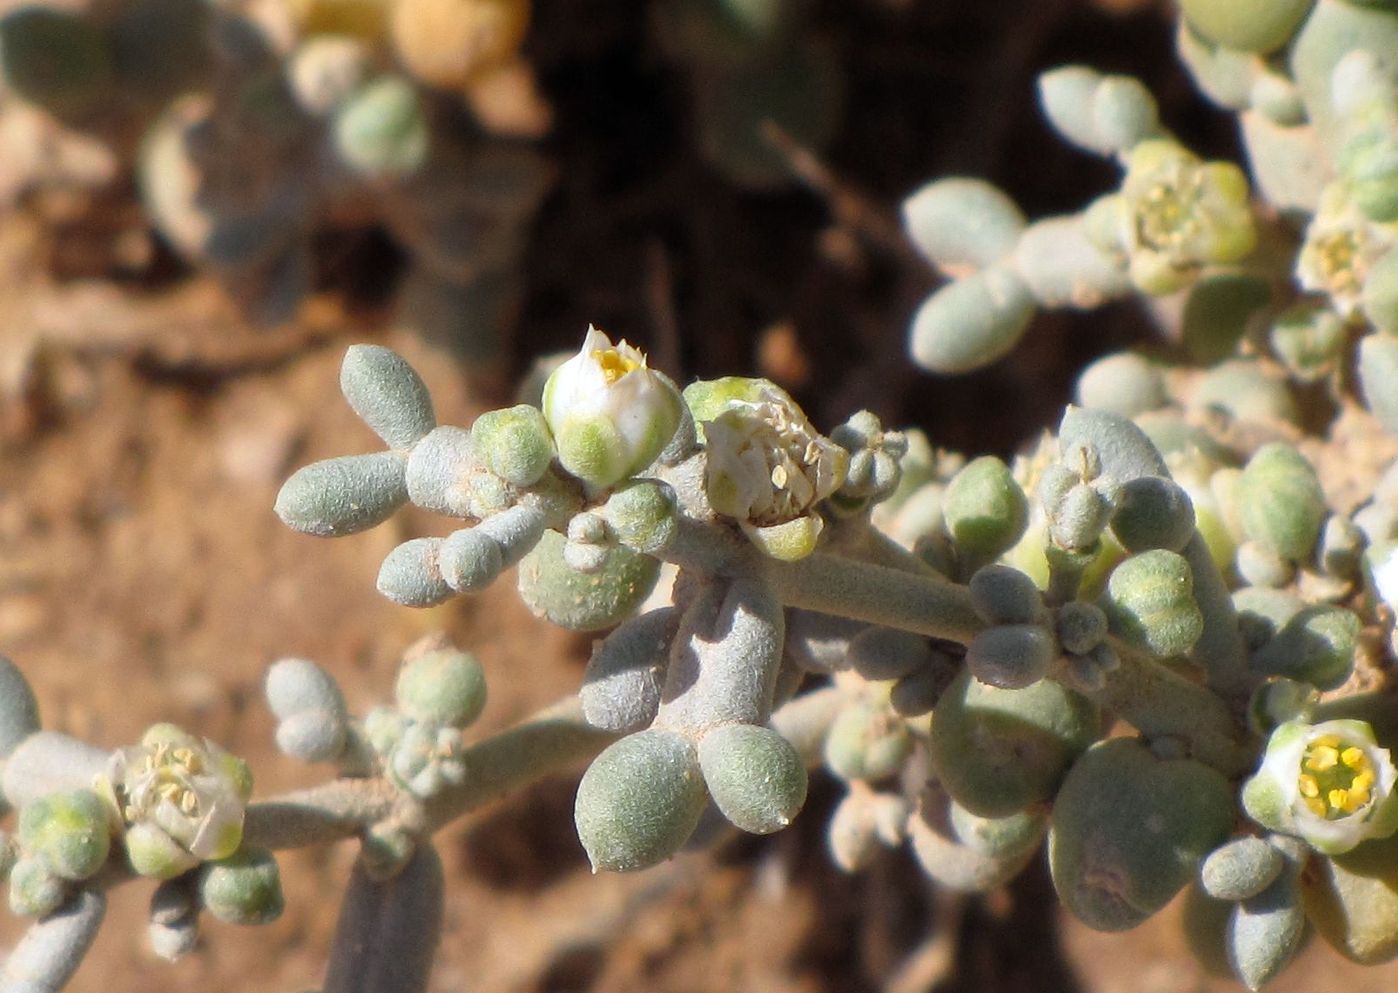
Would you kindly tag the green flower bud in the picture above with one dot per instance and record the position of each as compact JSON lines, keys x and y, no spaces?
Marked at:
{"x":1124,"y":383}
{"x":584,"y":601}
{"x":917,"y":693}
{"x":1150,"y":602}
{"x":1011,"y":656}
{"x":344,"y":495}
{"x":35,"y":889}
{"x":1352,"y":899}
{"x":442,"y":687}
{"x":1309,"y":339}
{"x":1276,"y":96}
{"x":958,"y":222}
{"x":1152,"y":512}
{"x":972,"y":321}
{"x":55,"y":59}
{"x":643,"y":516}
{"x":514,"y":443}
{"x":639,"y":801}
{"x":1266,"y":931}
{"x":70,"y":831}
{"x":1328,"y":783}
{"x":387,"y":394}
{"x":985,"y":511}
{"x":754,"y":776}
{"x":1378,"y":377}
{"x":427,"y":759}
{"x":1281,"y":503}
{"x":1004,"y":595}
{"x":181,"y":798}
{"x":384,"y":727}
{"x":1242,"y":868}
{"x":1080,"y":627}
{"x":1129,"y":830}
{"x":1000,"y":751}
{"x":1247,"y":25}
{"x":610,"y":415}
{"x":382,"y":130}
{"x":867,"y":741}
{"x":244,"y":888}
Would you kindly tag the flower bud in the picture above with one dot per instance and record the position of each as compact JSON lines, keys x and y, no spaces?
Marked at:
{"x":69,"y":831}
{"x":1080,"y":627}
{"x":999,"y":751}
{"x":173,"y":930}
{"x":1123,"y":383}
{"x":1309,"y":339}
{"x":244,"y":888}
{"x":1329,"y":784}
{"x":1281,"y":502}
{"x":442,"y":687}
{"x":297,"y":685}
{"x":985,"y":511}
{"x":411,"y":574}
{"x":610,"y":415}
{"x":879,"y":653}
{"x":1150,"y":602}
{"x":997,"y":837}
{"x":643,"y":516}
{"x":35,"y":889}
{"x":515,"y":444}
{"x":754,"y":776}
{"x":427,"y":760}
{"x":1129,"y":830}
{"x":639,"y":801}
{"x":1004,"y":595}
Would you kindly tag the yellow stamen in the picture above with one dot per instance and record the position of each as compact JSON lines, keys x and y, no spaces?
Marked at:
{"x":615,"y":365}
{"x":1309,"y":786}
{"x":1354,"y":758}
{"x":1317,"y":805}
{"x":1322,"y":758}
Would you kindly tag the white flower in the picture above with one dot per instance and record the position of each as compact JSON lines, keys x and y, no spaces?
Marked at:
{"x":181,"y":798}
{"x":610,"y":415}
{"x":767,"y":468}
{"x":1340,"y":247}
{"x":1328,"y":783}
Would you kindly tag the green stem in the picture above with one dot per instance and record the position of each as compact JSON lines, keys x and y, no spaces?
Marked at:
{"x":1154,"y":700}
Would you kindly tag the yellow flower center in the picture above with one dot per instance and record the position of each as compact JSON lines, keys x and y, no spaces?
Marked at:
{"x":165,"y":773}
{"x":615,"y":365}
{"x":1337,"y":258}
{"x":1167,"y":217}
{"x":1336,"y":779}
